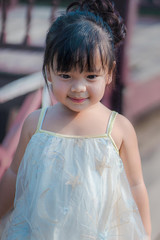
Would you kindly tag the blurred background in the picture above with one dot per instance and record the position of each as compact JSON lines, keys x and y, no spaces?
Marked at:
{"x":23,"y":27}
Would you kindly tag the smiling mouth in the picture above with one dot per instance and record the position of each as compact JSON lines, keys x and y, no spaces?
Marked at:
{"x":78,"y":100}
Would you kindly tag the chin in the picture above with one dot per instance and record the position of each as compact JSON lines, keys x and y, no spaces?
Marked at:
{"x":76,"y":110}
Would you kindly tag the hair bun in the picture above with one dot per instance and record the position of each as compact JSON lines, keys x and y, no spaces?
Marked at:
{"x":106,"y":10}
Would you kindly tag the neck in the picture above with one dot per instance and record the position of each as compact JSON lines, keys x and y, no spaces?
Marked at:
{"x":82,"y":113}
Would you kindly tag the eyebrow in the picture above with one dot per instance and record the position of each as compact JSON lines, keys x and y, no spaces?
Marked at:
{"x":95,"y":70}
{"x":87,"y":71}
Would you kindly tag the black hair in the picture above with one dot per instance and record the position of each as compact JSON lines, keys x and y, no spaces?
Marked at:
{"x":75,"y":36}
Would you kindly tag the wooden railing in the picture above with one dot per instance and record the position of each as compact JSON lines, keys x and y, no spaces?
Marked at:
{"x":34,"y":96}
{"x":37,"y":97}
{"x":26,"y":43}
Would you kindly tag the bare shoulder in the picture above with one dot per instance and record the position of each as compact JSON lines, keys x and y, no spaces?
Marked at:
{"x":123,"y":131}
{"x":129,"y":145}
{"x":125,"y":126}
{"x":129,"y":151}
{"x":31,"y":122}
{"x":28,"y":129}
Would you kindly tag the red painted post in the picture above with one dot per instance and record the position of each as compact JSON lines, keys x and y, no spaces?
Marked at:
{"x":127,"y":9}
{"x":4,"y":8}
{"x":13,"y":3}
{"x":117,"y":94}
{"x":28,"y":22}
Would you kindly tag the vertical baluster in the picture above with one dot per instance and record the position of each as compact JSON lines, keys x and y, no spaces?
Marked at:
{"x":13,"y":3}
{"x":4,"y":4}
{"x":28,"y":22}
{"x":55,"y":4}
{"x":122,"y":66}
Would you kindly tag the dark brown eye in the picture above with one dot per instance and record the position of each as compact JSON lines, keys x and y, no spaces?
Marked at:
{"x":65,"y":76}
{"x":91,"y":77}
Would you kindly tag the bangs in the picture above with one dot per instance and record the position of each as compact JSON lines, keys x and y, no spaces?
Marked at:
{"x":78,"y":50}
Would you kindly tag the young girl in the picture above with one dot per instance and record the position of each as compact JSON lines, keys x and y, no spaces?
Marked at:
{"x":80,"y":177}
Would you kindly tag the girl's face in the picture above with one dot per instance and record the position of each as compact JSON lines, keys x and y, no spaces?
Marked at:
{"x":79,"y":90}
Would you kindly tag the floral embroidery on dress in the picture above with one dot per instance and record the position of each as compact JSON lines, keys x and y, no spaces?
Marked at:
{"x":101,"y":165}
{"x":72,"y":189}
{"x":78,"y":142}
{"x":74,"y":181}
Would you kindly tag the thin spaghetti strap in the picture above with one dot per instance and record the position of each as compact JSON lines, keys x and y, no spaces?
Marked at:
{"x":111,"y":122}
{"x":41,"y":118}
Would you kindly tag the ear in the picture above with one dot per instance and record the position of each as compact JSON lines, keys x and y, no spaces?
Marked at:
{"x":48,"y":74}
{"x":109,"y":76}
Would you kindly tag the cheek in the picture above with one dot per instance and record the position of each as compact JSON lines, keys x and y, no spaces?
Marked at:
{"x":99,"y":88}
{"x":59,"y":89}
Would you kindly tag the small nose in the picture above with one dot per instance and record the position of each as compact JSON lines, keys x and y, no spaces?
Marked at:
{"x":78,"y":86}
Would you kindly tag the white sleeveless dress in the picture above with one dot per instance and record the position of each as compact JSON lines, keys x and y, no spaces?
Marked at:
{"x":73,"y":188}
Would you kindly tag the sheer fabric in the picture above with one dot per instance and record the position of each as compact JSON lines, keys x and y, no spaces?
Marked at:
{"x":73,"y":188}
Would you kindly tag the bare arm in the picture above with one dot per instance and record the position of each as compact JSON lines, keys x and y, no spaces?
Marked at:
{"x":8,"y":182}
{"x":129,"y":153}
